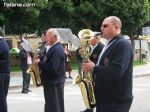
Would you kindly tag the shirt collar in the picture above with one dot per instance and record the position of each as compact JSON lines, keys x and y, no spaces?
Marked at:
{"x":1,"y":37}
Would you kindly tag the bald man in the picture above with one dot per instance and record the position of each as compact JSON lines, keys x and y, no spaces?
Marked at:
{"x":113,"y":71}
{"x":53,"y":72}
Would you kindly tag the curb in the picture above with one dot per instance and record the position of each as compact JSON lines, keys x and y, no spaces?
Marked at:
{"x":141,"y":75}
{"x":68,"y":81}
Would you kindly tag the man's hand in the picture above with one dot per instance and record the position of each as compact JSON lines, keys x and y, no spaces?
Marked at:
{"x":36,"y":61}
{"x":88,"y":66}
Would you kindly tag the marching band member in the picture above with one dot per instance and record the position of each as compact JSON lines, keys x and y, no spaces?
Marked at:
{"x":26,"y":58}
{"x":95,"y":49}
{"x":4,"y":72}
{"x":53,"y":72}
{"x":113,"y":71}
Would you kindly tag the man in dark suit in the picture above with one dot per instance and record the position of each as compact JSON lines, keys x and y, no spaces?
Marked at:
{"x":42,"y":47}
{"x":113,"y":70}
{"x":79,"y":60}
{"x":53,"y":72}
{"x":23,"y":56}
{"x":4,"y":72}
{"x":95,"y":48}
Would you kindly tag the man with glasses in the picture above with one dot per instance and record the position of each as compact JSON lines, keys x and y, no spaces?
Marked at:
{"x":113,"y":70}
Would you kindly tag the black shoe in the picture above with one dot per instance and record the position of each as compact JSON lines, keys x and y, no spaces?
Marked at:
{"x":29,"y":90}
{"x":66,"y":77}
{"x":25,"y":91}
{"x":87,"y":110}
{"x":70,"y":77}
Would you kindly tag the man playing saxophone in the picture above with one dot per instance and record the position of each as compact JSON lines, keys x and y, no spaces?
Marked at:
{"x":53,"y":72}
{"x":114,"y":70}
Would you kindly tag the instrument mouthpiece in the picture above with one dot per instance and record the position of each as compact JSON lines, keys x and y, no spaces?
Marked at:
{"x":42,"y":42}
{"x":98,"y":34}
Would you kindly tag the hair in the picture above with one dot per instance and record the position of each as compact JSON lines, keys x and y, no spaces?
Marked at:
{"x":115,"y":20}
{"x":1,"y":32}
{"x":97,"y":37}
{"x":44,"y":32}
{"x":54,"y":32}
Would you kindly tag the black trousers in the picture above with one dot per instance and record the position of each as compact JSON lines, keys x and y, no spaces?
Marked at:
{"x":4,"y":85}
{"x":54,"y":98}
{"x":26,"y":79}
{"x":114,"y":107}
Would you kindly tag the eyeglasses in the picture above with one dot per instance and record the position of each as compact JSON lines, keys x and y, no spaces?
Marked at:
{"x":105,"y":25}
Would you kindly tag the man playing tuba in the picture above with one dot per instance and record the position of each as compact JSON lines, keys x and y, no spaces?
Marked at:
{"x":94,"y":48}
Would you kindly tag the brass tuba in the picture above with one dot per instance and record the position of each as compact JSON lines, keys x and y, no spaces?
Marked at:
{"x":33,"y":70}
{"x":85,"y":80}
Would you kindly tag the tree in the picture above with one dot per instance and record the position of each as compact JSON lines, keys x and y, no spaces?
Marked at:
{"x":74,"y":14}
{"x":147,"y":8}
{"x":57,"y":13}
{"x":87,"y":14}
{"x":21,"y":17}
{"x":132,"y":13}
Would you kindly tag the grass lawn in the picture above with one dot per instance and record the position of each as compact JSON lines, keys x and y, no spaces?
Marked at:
{"x":73,"y":65}
{"x":15,"y":69}
{"x":137,"y":63}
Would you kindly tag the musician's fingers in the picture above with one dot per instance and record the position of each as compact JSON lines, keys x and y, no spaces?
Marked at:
{"x":83,"y":64}
{"x":89,"y":61}
{"x":84,"y":68}
{"x":36,"y":61}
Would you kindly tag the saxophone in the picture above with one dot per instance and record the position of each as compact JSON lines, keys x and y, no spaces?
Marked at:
{"x":85,"y":80}
{"x":33,"y":70}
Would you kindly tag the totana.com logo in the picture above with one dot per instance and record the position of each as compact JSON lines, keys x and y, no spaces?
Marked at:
{"x":9,"y":3}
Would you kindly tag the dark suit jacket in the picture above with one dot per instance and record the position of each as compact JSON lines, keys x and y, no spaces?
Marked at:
{"x":52,"y":67}
{"x":4,"y":57}
{"x":96,"y":52}
{"x":78,"y":56}
{"x":23,"y":59}
{"x":42,"y":51}
{"x":114,"y":72}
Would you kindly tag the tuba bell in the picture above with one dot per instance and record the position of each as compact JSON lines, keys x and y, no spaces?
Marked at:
{"x":85,"y":80}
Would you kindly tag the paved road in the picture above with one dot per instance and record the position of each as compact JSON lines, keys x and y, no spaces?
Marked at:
{"x":141,"y":91}
{"x":34,"y":101}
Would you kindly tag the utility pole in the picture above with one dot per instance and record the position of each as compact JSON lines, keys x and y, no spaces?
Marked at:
{"x":140,"y":51}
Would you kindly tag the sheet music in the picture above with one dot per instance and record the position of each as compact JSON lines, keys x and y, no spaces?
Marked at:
{"x":27,"y":46}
